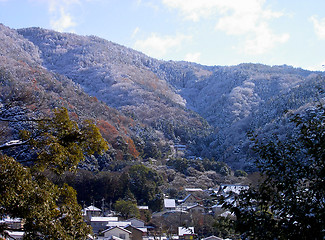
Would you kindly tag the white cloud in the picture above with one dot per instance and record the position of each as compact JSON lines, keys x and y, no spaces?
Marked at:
{"x":193,"y":9}
{"x":60,"y":16}
{"x":157,"y":46}
{"x":263,"y":41}
{"x":63,"y":22}
{"x":193,"y":57}
{"x":317,"y":67}
{"x":319,"y":26}
{"x":248,"y":19}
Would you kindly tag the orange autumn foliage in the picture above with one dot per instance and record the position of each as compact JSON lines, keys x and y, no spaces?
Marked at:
{"x":131,"y":148}
{"x":108,"y":131}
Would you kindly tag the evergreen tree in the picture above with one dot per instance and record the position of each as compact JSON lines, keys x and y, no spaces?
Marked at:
{"x":289,"y":202}
{"x":49,"y":211}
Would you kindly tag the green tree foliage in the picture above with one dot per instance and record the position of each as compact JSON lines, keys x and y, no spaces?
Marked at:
{"x":144,"y":184}
{"x":136,"y":183}
{"x":240,"y":173}
{"x":289,"y":201}
{"x":50,"y":211}
{"x":60,"y":144}
{"x":127,"y":209}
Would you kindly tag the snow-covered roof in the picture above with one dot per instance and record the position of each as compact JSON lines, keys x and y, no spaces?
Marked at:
{"x":114,"y":238}
{"x":187,"y":197}
{"x":15,"y":234}
{"x":142,"y":229}
{"x":143,"y":207}
{"x":135,"y":222}
{"x":91,"y":208}
{"x":226,"y":214}
{"x":212,"y":238}
{"x":8,"y":219}
{"x":169,"y":203}
{"x":118,"y":223}
{"x":103,"y":219}
{"x":217,"y":206}
{"x":111,"y":228}
{"x":185,"y":231}
{"x":193,"y":189}
{"x":194,"y":206}
{"x":227,"y":188}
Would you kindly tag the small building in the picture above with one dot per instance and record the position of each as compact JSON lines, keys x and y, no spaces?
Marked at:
{"x":91,"y":211}
{"x":180,"y":147}
{"x":143,"y":208}
{"x":136,"y":222}
{"x":212,"y":238}
{"x":231,"y":189}
{"x":189,"y":200}
{"x":169,"y":204}
{"x":116,"y":232}
{"x":137,"y":233}
{"x":121,"y":224}
{"x":12,"y":223}
{"x":217,"y":209}
{"x":100,"y":223}
{"x":13,"y":235}
{"x":199,"y":209}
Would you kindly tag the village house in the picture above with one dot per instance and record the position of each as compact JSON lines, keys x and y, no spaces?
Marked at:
{"x":12,"y":223}
{"x":136,"y":222}
{"x":196,"y":209}
{"x":212,"y":238}
{"x":136,"y":233}
{"x":228,"y":190}
{"x":121,"y":224}
{"x":13,"y":235}
{"x":117,"y":232}
{"x":90,"y":212}
{"x":189,"y":201}
{"x":169,"y":204}
{"x":100,"y":223}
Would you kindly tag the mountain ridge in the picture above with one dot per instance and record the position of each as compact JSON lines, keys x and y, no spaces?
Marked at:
{"x":209,"y":108}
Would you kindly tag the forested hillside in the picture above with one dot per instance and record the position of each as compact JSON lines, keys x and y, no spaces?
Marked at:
{"x":29,"y":91}
{"x":141,"y":103}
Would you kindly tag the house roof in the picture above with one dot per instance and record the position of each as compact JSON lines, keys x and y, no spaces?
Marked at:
{"x":187,"y":197}
{"x":103,"y":219}
{"x":116,"y":227}
{"x":137,"y":228}
{"x":143,"y":207}
{"x":228,"y":188}
{"x":114,"y":238}
{"x":8,"y":219}
{"x":212,"y":238}
{"x":195,"y":206}
{"x":118,"y":223}
{"x":92,"y":208}
{"x":193,"y":189}
{"x":134,"y":219}
{"x":136,"y":222}
{"x":169,"y":203}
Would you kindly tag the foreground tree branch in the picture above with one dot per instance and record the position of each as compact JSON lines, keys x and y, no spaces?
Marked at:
{"x":50,"y":211}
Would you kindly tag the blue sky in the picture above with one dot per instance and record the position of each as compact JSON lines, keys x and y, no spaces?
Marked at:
{"x":210,"y":32}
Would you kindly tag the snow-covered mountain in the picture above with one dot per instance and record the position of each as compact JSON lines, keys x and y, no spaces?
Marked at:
{"x":210,"y":108}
